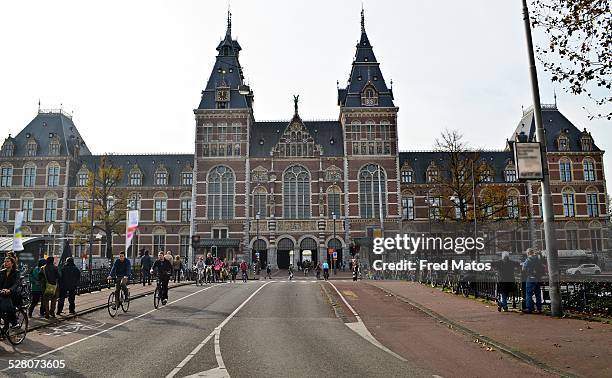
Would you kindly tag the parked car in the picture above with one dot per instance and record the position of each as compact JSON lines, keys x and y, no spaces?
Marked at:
{"x":585,"y":269}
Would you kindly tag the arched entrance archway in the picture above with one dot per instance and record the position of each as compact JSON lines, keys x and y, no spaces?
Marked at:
{"x":309,"y":244}
{"x":260,"y":250}
{"x":337,"y":246}
{"x":282,"y":253}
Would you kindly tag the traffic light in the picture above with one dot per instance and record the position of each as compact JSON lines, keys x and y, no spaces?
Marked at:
{"x":195,"y":241}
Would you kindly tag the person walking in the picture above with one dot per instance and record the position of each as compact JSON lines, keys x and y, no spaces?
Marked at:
{"x":176,"y":268}
{"x":36,"y":289}
{"x":234,"y":270}
{"x":49,"y":280}
{"x":69,"y":282}
{"x":268,"y":271}
{"x":325,"y":270}
{"x":505,"y":280}
{"x":145,"y":267}
{"x":8,"y":284}
{"x":531,"y":271}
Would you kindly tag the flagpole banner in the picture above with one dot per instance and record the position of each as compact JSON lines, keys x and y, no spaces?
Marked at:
{"x":51,"y":230}
{"x":17,"y":242}
{"x":131,"y":227}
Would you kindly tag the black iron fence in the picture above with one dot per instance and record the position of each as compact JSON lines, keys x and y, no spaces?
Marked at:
{"x":590,"y":295}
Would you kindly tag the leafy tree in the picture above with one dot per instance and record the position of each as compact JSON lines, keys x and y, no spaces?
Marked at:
{"x":110,"y":203}
{"x":463,"y":173}
{"x":579,"y":44}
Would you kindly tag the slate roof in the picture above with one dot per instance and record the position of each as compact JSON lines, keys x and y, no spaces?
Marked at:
{"x":46,"y":123}
{"x":419,"y":161}
{"x":365,"y":71}
{"x":554,"y":123}
{"x":266,"y":134}
{"x":175,"y":164}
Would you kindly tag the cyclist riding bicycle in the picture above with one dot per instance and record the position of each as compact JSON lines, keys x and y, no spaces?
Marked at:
{"x":8,"y":284}
{"x":209,"y":262}
{"x":243,"y":268}
{"x":120,"y":274}
{"x":163,"y":269}
{"x":325,"y":270}
{"x":200,"y":267}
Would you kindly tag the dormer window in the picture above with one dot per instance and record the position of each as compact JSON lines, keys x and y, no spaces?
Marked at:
{"x":406,"y":176}
{"x":510,"y":173}
{"x":8,"y":148}
{"x":161,"y":177}
{"x":135,"y":177}
{"x":31,"y":148}
{"x":369,"y":97}
{"x":82,"y":177}
{"x":54,"y":148}
{"x":563,"y":143}
{"x":586,"y":143}
{"x":432,"y":174}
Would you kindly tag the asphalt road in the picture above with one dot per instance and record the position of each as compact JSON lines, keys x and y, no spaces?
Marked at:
{"x":258,"y":329}
{"x":272,"y":328}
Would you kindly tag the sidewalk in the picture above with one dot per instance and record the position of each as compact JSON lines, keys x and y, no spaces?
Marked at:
{"x":89,"y":302}
{"x":573,"y":346}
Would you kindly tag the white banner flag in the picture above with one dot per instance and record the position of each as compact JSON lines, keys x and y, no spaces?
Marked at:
{"x":17,"y":244}
{"x":131,"y":227}
{"x":51,"y":230}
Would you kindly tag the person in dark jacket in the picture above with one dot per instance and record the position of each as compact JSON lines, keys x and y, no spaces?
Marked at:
{"x":120,"y":274}
{"x":145,"y":266}
{"x":69,"y":281}
{"x":531,"y":268}
{"x":505,"y":280}
{"x":163,"y":268}
{"x":36,"y":288}
{"x":49,"y":275}
{"x":8,"y":283}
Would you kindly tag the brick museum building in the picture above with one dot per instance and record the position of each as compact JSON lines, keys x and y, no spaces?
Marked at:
{"x":290,"y":189}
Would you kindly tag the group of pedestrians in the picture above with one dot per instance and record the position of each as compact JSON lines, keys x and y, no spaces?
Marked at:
{"x":178,"y":267}
{"x":532,"y":272}
{"x":51,"y":286}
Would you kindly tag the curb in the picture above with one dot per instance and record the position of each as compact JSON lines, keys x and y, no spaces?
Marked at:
{"x":95,"y":308}
{"x":466,"y":331}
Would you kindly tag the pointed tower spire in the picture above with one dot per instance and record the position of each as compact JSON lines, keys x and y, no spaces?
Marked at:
{"x":229,"y":22}
{"x":296,"y":98}
{"x":362,"y":19}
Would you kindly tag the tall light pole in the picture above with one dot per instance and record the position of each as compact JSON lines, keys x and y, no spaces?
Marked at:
{"x":547,"y":206}
{"x":91,"y":216}
{"x":334,"y":239}
{"x":475,"y":212}
{"x":257,"y":217}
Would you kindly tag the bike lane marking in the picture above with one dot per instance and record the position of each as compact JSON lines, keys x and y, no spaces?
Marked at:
{"x":360,"y":328}
{"x":113,"y":327}
{"x":219,"y":371}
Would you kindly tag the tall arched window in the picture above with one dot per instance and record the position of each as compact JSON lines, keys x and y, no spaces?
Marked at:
{"x":53,"y":174}
{"x":296,"y":193}
{"x":372,"y":181}
{"x":260,"y":196}
{"x":568,"y":202}
{"x":565,"y":170}
{"x":334,"y":202}
{"x":6,"y":175}
{"x":589,"y":170}
{"x":221,"y":183}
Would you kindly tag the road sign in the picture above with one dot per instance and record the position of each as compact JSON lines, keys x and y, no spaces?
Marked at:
{"x":528,"y":160}
{"x":335,"y":255}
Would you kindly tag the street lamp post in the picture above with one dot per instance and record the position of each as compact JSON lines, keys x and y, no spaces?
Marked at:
{"x":334,"y":239}
{"x":257,"y":217}
{"x":91,"y":216}
{"x":547,"y":206}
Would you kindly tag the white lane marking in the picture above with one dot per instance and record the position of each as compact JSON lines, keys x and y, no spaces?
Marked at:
{"x":360,"y":328}
{"x":220,"y":371}
{"x":113,"y":327}
{"x":72,"y":327}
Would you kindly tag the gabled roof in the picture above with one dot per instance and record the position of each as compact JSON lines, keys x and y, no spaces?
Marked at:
{"x":175,"y":164}
{"x":48,"y":125}
{"x":265,"y":135}
{"x":365,"y":71}
{"x":555,"y":123}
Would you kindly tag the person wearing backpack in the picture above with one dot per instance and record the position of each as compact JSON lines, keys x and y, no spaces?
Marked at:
{"x":49,"y":279}
{"x":36,"y":289}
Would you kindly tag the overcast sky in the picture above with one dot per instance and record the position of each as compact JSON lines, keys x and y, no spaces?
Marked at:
{"x":132,"y":71}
